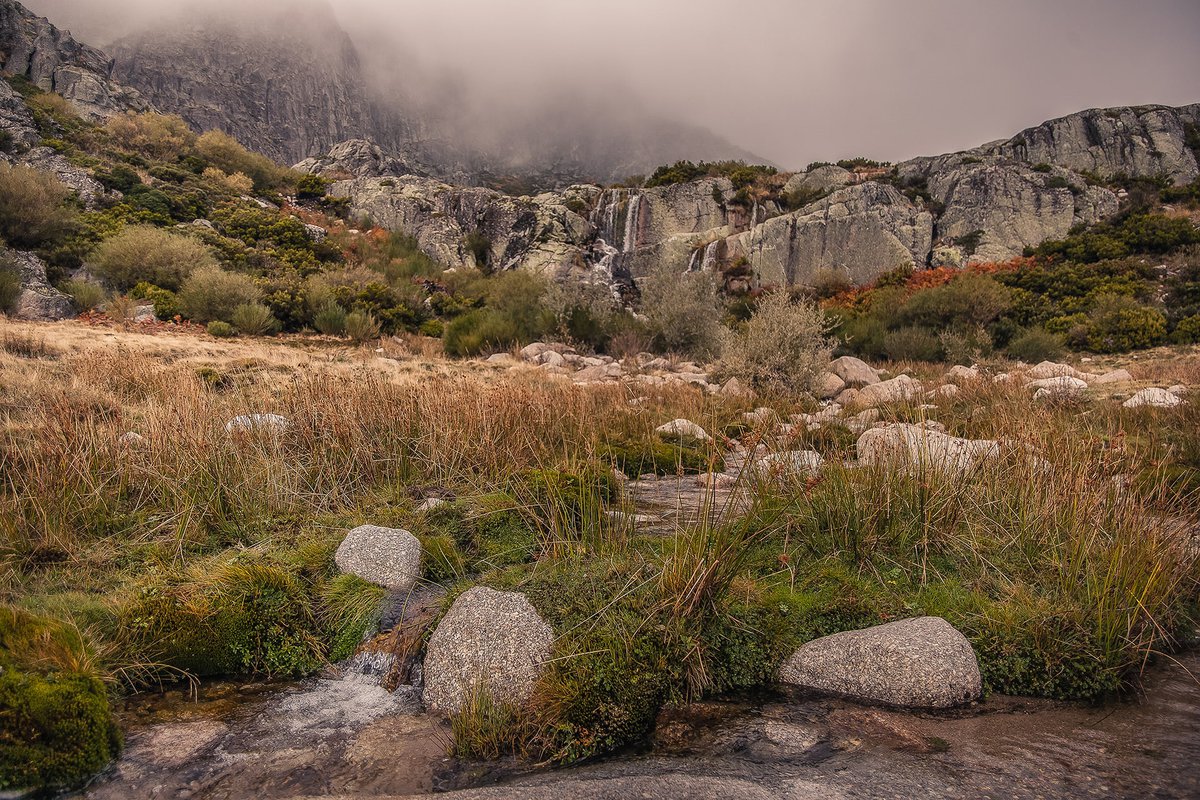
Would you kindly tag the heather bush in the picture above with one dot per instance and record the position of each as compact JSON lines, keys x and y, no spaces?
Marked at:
{"x":683,"y":311}
{"x":330,"y":319}
{"x":142,"y":253}
{"x":361,"y":326}
{"x":1118,"y":324}
{"x":1187,"y":331}
{"x":225,"y":152}
{"x":156,"y":136}
{"x":33,"y":208}
{"x":212,"y":293}
{"x":1035,"y":345}
{"x":784,"y":346}
{"x":912,"y":344}
{"x":85,"y":295}
{"x":253,"y":319}
{"x":219,"y":330}
{"x":10,"y":285}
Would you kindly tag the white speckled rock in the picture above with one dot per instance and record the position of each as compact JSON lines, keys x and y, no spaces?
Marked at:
{"x":791,"y":462}
{"x":265,"y":423}
{"x":923,"y":662}
{"x":488,"y":641}
{"x":390,"y":557}
{"x":1116,"y":376}
{"x":1158,"y":398}
{"x":914,"y":447}
{"x":896,"y":390}
{"x":1064,"y":384}
{"x":683,"y":427}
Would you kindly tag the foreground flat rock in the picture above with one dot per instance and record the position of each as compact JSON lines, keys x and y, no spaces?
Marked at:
{"x":913,"y":447}
{"x":923,"y":662}
{"x":853,"y":371}
{"x":896,"y":390}
{"x":1154,"y":397}
{"x":390,"y":557}
{"x":489,"y":641}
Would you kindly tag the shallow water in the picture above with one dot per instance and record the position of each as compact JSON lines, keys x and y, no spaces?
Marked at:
{"x":349,"y":737}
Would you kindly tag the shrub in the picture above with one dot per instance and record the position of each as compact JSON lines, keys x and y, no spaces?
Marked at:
{"x":156,"y":136}
{"x":1035,"y":345}
{"x":85,"y":295}
{"x":330,"y":319}
{"x":1187,"y":331}
{"x":119,"y":308}
{"x":239,"y":183}
{"x":10,"y":285}
{"x":141,"y":253}
{"x":311,"y":187}
{"x":784,"y":345}
{"x":166,"y":302}
{"x":223,"y":151}
{"x":1118,"y":324}
{"x":33,"y":210}
{"x":253,"y":319}
{"x":220,"y":330}
{"x":211,"y":293}
{"x":912,"y":344}
{"x":361,"y":326}
{"x":967,"y":301}
{"x":683,"y":310}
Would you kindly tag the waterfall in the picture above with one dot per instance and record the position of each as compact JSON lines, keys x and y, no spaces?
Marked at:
{"x":629,"y":241}
{"x":710,"y":257}
{"x":692,"y":261}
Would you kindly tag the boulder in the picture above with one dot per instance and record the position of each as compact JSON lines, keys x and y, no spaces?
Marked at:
{"x":960,"y":374}
{"x":916,"y":447}
{"x":789,"y":463}
{"x":38,"y":301}
{"x":733,"y":388}
{"x":922,"y":662}
{"x":258,"y":423}
{"x":819,"y":181}
{"x":946,"y":390}
{"x":1051,"y":369}
{"x":683,"y":428}
{"x":896,"y":390}
{"x":829,"y":385}
{"x":489,"y":641}
{"x":854,"y":371}
{"x":1158,"y":398}
{"x":1064,"y":385}
{"x":1116,"y":376}
{"x":390,"y":557}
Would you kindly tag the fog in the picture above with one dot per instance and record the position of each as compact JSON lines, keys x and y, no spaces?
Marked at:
{"x":790,"y":81}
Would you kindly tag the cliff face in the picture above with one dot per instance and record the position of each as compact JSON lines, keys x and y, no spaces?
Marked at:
{"x":54,"y":61}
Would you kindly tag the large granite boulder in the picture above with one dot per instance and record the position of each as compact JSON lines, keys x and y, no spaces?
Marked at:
{"x":861,"y":231}
{"x":390,"y":557}
{"x":819,"y":180}
{"x":854,"y":371}
{"x":897,"y":390}
{"x":489,"y":641}
{"x":1009,"y":207}
{"x":38,"y":300}
{"x":357,"y":158}
{"x":914,"y":448}
{"x":1154,"y":397}
{"x":923,"y":662}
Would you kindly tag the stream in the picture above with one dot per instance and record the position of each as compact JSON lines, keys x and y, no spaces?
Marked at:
{"x":350,"y":738}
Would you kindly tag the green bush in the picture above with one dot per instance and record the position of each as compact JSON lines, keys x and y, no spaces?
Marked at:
{"x":912,"y":344}
{"x":226,"y":153}
{"x":1035,"y":345}
{"x":253,"y":319}
{"x":10,"y":285}
{"x":85,"y":295}
{"x":783,"y":346}
{"x":684,"y":311}
{"x":330,"y":319}
{"x":220,"y":330}
{"x":968,"y":301}
{"x":56,"y":730}
{"x":1118,"y":324}
{"x":361,"y":326}
{"x":141,"y":253}
{"x":1187,"y":331}
{"x":33,"y":208}
{"x":211,"y":293}
{"x":311,"y":187}
{"x":166,"y":302}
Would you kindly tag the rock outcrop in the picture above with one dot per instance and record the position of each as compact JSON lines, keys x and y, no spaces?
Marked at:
{"x":491,"y":642}
{"x":912,"y":448}
{"x":923,"y":662}
{"x":860,"y":231}
{"x":358,"y":158}
{"x":52,"y":60}
{"x":38,"y":300}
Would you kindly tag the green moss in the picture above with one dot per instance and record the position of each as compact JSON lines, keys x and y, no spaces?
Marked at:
{"x":636,"y":457}
{"x":350,"y":609}
{"x":56,"y":730}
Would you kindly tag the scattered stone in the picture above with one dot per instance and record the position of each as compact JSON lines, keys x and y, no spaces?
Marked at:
{"x":255,"y":423}
{"x":853,"y":371}
{"x":1001,"y":377}
{"x":829,"y":386}
{"x":430,"y":504}
{"x":962,"y":374}
{"x":761,"y":416}
{"x":1179,"y":390}
{"x":790,"y":462}
{"x":489,"y":641}
{"x":390,"y":557}
{"x":734,"y":388}
{"x":500,"y":358}
{"x":946,"y":390}
{"x":1158,"y":398}
{"x":896,"y":390}
{"x":923,"y":662}
{"x":1063,"y":384}
{"x":913,"y":447}
{"x":131,"y":439}
{"x":1051,"y":369}
{"x":1116,"y":376}
{"x":683,"y":427}
{"x":848,"y":397}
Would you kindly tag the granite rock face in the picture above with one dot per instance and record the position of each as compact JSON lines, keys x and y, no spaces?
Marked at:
{"x":38,"y":300}
{"x":489,"y":641}
{"x":923,"y":662}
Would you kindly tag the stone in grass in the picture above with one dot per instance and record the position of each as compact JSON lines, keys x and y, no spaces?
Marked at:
{"x":255,"y":423}
{"x":390,"y":557}
{"x":913,"y":447}
{"x":491,"y":642}
{"x":1155,"y":397}
{"x":683,"y":428}
{"x":923,"y":662}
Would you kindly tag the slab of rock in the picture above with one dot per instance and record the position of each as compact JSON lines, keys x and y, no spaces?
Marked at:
{"x":1051,"y":369}
{"x":683,"y":427}
{"x":390,"y":557}
{"x":830,"y":385}
{"x":913,"y":447}
{"x":854,"y":371}
{"x":896,"y":390}
{"x":959,"y":373}
{"x":1116,"y":376}
{"x":1155,"y":397}
{"x":790,"y":462}
{"x":1061,"y":385}
{"x":489,"y":641}
{"x":923,"y":662}
{"x":258,"y":423}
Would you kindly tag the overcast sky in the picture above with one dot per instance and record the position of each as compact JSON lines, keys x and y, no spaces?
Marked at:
{"x":791,"y":80}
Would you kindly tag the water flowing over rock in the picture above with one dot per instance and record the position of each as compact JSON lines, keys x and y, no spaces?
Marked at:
{"x":489,"y":641}
{"x":923,"y":662}
{"x":390,"y":557}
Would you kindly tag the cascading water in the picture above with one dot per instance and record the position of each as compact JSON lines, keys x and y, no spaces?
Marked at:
{"x":616,"y":218}
{"x":632,"y":224}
